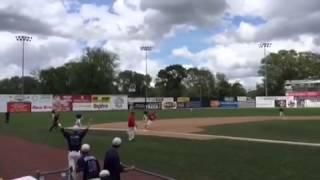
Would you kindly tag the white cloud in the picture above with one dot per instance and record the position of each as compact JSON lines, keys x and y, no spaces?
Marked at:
{"x":240,"y":61}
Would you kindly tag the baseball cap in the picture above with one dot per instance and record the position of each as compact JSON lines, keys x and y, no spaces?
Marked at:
{"x":85,"y":148}
{"x":116,"y":141}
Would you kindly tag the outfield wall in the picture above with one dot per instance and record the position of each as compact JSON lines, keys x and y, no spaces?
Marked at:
{"x":46,"y":103}
{"x":67,"y":103}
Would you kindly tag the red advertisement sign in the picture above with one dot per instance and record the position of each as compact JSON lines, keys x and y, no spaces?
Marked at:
{"x":19,"y":106}
{"x":81,"y":98}
{"x":304,"y":94}
{"x":62,"y":103}
{"x":214,"y":104}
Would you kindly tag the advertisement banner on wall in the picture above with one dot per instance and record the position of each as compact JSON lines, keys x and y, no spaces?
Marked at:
{"x":214,"y":103}
{"x":181,"y":105}
{"x":247,"y":104}
{"x":19,"y":98}
{"x":312,"y":103}
{"x":101,"y":106}
{"x":151,"y":106}
{"x":242,"y":98}
{"x":81,"y":98}
{"x":4,"y":99}
{"x":82,"y":106}
{"x":19,"y":106}
{"x":100,"y":99}
{"x":169,"y":105}
{"x":41,"y":103}
{"x":62,"y":103}
{"x":150,"y":99}
{"x":280,"y":103}
{"x":229,"y":99}
{"x":119,"y":102}
{"x":183,"y":99}
{"x":193,"y":104}
{"x":228,"y":104}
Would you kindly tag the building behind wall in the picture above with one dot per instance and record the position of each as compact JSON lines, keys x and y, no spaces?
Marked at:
{"x":305,"y":92}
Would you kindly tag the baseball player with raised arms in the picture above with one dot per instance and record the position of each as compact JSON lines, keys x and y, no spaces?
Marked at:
{"x":74,"y":140}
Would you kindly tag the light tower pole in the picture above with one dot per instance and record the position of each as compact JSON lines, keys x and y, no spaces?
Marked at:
{"x":265,"y":45}
{"x":23,"y":39}
{"x":146,"y":49}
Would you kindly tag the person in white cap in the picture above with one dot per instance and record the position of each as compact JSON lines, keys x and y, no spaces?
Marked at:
{"x":112,"y":161}
{"x":104,"y":174}
{"x":88,"y":165}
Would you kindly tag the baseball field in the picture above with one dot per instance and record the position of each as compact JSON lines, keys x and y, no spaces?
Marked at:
{"x":202,"y":144}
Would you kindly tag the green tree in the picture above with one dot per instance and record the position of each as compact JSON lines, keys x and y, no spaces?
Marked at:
{"x":95,"y":73}
{"x":199,"y":80}
{"x":127,"y":77}
{"x":238,"y":90}
{"x":13,"y":85}
{"x":169,"y":81}
{"x":223,"y":86}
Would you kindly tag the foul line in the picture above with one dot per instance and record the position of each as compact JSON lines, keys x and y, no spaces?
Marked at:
{"x":207,"y":137}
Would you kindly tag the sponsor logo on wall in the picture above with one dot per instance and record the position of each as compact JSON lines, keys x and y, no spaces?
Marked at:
{"x":169,"y":105}
{"x":119,"y":102}
{"x":19,"y":106}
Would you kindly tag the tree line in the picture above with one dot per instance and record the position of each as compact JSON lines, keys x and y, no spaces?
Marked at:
{"x":96,"y":72}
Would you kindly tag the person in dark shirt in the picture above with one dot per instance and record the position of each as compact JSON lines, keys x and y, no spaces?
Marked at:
{"x":88,"y":165}
{"x":74,"y":140}
{"x":7,"y":114}
{"x":112,"y":161}
{"x":55,"y":120}
{"x":281,"y":114}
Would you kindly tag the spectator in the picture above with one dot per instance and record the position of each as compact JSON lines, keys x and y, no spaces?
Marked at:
{"x":88,"y":165}
{"x":112,"y":161}
{"x":7,"y":117}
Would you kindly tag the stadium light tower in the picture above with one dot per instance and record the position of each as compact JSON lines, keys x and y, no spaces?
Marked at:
{"x":265,"y":45}
{"x":23,"y":39}
{"x":146,"y":49}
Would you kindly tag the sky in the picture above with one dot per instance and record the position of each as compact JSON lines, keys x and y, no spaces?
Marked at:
{"x":219,"y":35}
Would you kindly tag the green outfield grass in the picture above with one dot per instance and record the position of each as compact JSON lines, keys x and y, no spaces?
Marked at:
{"x":304,"y":130}
{"x":187,"y":159}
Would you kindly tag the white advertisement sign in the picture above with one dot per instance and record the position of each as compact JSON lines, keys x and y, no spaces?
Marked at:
{"x":3,"y":102}
{"x":41,"y":103}
{"x":119,"y":102}
{"x":312,"y":103}
{"x":265,"y":103}
{"x":82,"y":107}
{"x":101,"y":106}
{"x":169,"y":105}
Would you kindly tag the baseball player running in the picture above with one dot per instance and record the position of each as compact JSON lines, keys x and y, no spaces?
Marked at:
{"x":150,"y":118}
{"x":131,"y":125}
{"x":55,"y":120}
{"x":78,"y":120}
{"x":74,"y":140}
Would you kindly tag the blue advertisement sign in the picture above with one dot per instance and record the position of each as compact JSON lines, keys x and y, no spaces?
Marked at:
{"x":225,"y":104}
{"x":193,"y":104}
